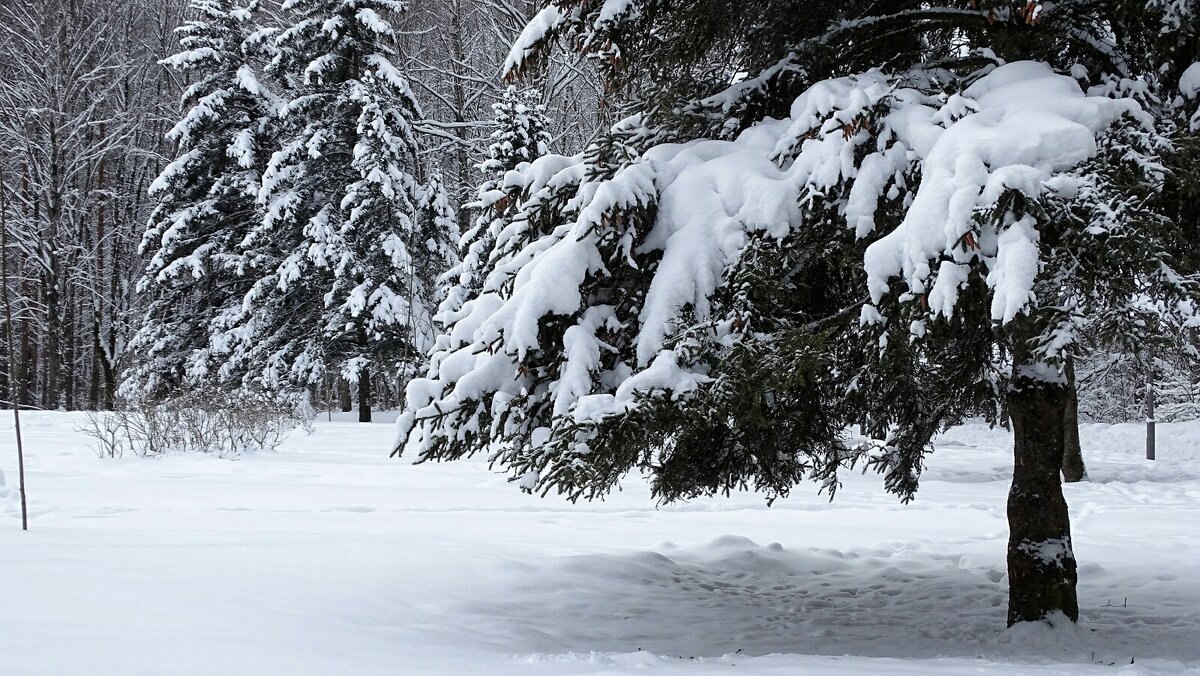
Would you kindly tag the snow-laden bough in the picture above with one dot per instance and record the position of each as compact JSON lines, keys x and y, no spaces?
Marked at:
{"x":1017,"y":128}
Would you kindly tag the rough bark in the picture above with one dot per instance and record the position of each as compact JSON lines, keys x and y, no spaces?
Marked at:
{"x":25,"y":365}
{"x":51,"y":274}
{"x":69,"y":352}
{"x":1150,"y":450}
{"x":53,"y":335}
{"x":94,"y":381}
{"x":1041,"y":564}
{"x":344,"y":402}
{"x":364,"y":396}
{"x":1073,"y":468}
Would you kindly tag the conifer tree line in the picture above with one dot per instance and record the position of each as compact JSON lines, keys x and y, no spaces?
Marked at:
{"x":134,"y":165}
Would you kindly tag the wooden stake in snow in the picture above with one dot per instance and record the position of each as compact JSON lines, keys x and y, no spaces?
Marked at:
{"x":1149,"y":419}
{"x":8,"y":325}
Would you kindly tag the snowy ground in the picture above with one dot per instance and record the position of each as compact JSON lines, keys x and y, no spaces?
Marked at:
{"x":327,"y":558}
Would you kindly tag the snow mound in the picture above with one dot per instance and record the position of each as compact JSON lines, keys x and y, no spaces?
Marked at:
{"x":6,"y":493}
{"x":10,"y":497}
{"x":1055,"y":634}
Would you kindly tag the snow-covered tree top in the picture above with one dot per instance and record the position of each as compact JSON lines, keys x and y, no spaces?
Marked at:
{"x":210,"y":40}
{"x":521,"y":133}
{"x":328,"y":32}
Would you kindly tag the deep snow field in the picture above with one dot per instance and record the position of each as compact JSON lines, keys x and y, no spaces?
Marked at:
{"x":328,"y":558}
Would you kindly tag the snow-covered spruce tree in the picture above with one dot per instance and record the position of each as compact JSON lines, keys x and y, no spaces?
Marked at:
{"x":436,"y":215}
{"x":207,"y":197}
{"x":907,"y":247}
{"x":341,"y":256}
{"x":521,"y":135}
{"x":521,"y":132}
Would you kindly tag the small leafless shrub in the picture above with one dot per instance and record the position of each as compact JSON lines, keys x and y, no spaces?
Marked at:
{"x":108,"y":433}
{"x":199,"y":421}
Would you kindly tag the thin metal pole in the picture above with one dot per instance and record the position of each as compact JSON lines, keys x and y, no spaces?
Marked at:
{"x":8,"y":322}
{"x":1150,"y":418}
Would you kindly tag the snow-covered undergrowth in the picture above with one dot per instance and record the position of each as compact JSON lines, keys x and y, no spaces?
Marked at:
{"x":325,"y":557}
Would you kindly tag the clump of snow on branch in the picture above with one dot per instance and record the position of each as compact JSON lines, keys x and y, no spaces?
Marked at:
{"x":536,"y":31}
{"x":1189,"y":87}
{"x":1029,"y":124}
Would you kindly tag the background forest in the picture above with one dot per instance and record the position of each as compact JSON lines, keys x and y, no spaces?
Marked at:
{"x":84,"y":128}
{"x":86,"y":104}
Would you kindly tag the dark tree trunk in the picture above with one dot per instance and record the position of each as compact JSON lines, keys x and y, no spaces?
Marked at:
{"x":108,"y":352}
{"x":1041,"y":563}
{"x":27,"y":387}
{"x":50,"y":278}
{"x":344,"y":396}
{"x":53,"y":345}
{"x":94,"y":368}
{"x":110,"y":382}
{"x":1073,"y":468}
{"x":364,"y":395}
{"x":462,"y":158}
{"x":1150,"y":450}
{"x":5,"y":376}
{"x":68,"y":361}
